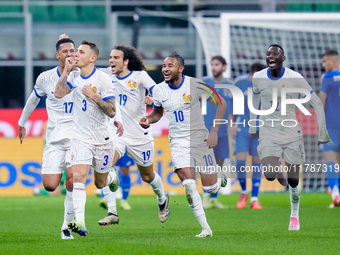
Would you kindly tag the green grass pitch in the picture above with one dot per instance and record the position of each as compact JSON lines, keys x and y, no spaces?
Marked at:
{"x":31,"y":225}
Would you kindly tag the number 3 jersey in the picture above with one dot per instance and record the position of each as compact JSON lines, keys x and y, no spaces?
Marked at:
{"x":183,"y":111}
{"x":130,"y":94}
{"x":60,"y":111}
{"x":91,"y":124}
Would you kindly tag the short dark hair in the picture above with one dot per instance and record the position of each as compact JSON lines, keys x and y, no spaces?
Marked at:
{"x":134,"y":57}
{"x":278,"y":46}
{"x":178,"y":57}
{"x":92,"y":47}
{"x":331,"y":52}
{"x":220,"y":58}
{"x":62,"y":41}
{"x":257,"y":66}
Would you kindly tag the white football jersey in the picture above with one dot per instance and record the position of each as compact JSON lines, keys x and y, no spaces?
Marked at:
{"x":60,"y":111}
{"x":91,"y":124}
{"x":183,"y":111}
{"x":130,"y":94}
{"x":274,"y":128}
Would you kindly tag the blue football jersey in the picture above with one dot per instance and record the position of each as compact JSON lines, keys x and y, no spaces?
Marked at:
{"x":211,"y":109}
{"x":243,"y":83}
{"x":331,"y":86}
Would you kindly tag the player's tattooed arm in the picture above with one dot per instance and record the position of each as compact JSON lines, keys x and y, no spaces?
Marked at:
{"x":62,"y":88}
{"x":108,"y":106}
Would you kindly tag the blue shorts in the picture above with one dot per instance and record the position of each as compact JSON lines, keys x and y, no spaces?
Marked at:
{"x":334,"y":143}
{"x":125,"y":161}
{"x":246,"y":143}
{"x":221,"y":151}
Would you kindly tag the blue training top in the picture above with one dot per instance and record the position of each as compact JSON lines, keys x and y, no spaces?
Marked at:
{"x":211,"y":109}
{"x":331,"y":86}
{"x":243,"y":83}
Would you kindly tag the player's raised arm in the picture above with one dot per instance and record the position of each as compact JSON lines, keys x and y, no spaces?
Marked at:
{"x":63,"y":88}
{"x":154,"y":116}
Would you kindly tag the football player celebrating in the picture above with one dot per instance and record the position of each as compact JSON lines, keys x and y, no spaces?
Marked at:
{"x":275,"y":139}
{"x":92,"y":145}
{"x":56,"y":155}
{"x":190,"y":142}
{"x":132,"y":84}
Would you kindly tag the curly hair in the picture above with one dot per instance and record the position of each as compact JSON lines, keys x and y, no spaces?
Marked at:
{"x":134,"y":57}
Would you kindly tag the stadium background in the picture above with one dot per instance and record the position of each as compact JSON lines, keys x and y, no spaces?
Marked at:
{"x":27,"y":39}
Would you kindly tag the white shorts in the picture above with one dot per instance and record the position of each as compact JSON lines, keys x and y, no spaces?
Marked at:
{"x":140,"y":150}
{"x":198,"y":157}
{"x":292,"y":153}
{"x":100,"y":157}
{"x":56,"y":157}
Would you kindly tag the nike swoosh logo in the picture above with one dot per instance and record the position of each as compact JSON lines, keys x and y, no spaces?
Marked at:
{"x":262,"y":90}
{"x":163,"y":101}
{"x":102,"y":168}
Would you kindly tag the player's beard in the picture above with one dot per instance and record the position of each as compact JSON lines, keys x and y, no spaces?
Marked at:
{"x":173,"y":78}
{"x":217,"y":74}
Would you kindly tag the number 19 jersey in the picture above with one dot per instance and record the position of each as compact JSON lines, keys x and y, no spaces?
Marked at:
{"x":130,"y":94}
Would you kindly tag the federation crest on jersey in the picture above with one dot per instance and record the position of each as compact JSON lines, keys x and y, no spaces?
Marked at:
{"x":132,"y":85}
{"x":94,"y":88}
{"x":187,"y":98}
